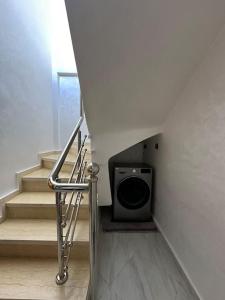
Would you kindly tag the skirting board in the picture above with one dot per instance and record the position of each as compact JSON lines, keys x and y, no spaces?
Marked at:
{"x":178,"y":260}
{"x":3,"y":200}
{"x":24,"y":172}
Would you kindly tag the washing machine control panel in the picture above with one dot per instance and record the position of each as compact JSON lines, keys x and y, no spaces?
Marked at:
{"x":134,"y":170}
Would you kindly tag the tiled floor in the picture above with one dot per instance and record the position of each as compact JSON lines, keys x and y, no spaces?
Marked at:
{"x":139,"y":266}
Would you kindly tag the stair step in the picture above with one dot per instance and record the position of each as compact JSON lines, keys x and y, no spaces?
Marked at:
{"x":37,"y":181}
{"x":34,"y":278}
{"x":70,"y":157}
{"x":37,"y":238}
{"x":73,"y":149}
{"x":39,"y":205}
{"x":28,"y":240}
{"x":48,"y":161}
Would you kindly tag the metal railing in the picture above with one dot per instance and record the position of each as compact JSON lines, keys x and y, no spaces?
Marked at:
{"x":69,"y":195}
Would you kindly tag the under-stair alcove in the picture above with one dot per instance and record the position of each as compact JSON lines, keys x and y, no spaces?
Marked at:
{"x":144,"y":152}
{"x":136,"y":156}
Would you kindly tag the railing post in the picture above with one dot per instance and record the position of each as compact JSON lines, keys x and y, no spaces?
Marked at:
{"x":93,"y":170}
{"x":62,"y":275}
{"x":79,"y":132}
{"x":81,"y":106}
{"x":79,"y":146}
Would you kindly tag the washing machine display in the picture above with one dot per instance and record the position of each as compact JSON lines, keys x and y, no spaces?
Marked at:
{"x":132,"y":192}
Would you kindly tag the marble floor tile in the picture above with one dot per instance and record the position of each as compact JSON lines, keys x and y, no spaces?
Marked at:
{"x":111,"y":265}
{"x":103,"y":291}
{"x":139,"y":266}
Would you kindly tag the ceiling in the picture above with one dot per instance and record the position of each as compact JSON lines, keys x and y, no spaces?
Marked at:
{"x":134,"y":57}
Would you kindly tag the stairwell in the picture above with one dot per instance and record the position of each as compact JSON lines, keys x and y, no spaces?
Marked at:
{"x":28,"y":241}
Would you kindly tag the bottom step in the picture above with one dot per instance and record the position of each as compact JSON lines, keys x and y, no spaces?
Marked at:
{"x":34,"y":278}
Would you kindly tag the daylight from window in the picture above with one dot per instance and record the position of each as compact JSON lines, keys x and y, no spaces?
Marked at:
{"x":62,"y":51}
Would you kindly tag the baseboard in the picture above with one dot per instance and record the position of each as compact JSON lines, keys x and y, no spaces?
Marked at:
{"x":21,"y":173}
{"x":183,"y":269}
{"x":5,"y":198}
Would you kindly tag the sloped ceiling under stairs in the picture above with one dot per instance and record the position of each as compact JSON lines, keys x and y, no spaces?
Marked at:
{"x":134,"y":59}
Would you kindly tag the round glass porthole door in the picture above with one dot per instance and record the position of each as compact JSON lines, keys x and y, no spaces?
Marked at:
{"x":133,"y":192}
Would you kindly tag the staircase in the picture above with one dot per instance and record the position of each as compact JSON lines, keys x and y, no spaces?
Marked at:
{"x":28,"y":240}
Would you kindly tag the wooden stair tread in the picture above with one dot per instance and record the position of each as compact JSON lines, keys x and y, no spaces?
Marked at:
{"x":38,"y":231}
{"x":33,"y":278}
{"x":38,"y":199}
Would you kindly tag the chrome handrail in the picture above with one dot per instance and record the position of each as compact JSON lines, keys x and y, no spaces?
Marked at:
{"x":52,"y":181}
{"x":75,"y":185}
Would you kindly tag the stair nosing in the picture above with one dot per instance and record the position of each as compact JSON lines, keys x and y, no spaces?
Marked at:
{"x":38,"y":242}
{"x":37,"y":205}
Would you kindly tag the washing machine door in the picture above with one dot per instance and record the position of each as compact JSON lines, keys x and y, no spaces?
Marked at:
{"x":133,"y":192}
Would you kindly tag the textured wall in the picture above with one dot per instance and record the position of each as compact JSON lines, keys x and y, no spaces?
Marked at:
{"x":26,"y":121}
{"x":190,"y":175}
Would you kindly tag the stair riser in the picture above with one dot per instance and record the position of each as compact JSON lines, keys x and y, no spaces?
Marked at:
{"x":74,"y":153}
{"x":79,"y":250}
{"x":73,"y":150}
{"x":35,"y":185}
{"x":48,"y":164}
{"x":21,"y":212}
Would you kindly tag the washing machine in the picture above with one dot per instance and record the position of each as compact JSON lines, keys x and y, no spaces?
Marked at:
{"x":132,"y":192}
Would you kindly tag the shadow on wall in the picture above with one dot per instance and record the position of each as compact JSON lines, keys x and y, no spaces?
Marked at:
{"x":151,"y":148}
{"x":143,"y":152}
{"x":133,"y":154}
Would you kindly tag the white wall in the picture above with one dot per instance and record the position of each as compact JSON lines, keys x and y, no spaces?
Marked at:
{"x":26,"y":114}
{"x":65,"y":92}
{"x":133,"y":59}
{"x":63,"y":59}
{"x":68,"y":108}
{"x":190,"y":175}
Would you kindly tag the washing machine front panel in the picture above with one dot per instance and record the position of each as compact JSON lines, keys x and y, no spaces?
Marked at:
{"x":132,"y":193}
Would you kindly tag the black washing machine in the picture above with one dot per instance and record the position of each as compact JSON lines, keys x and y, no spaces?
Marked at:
{"x":132,"y":192}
